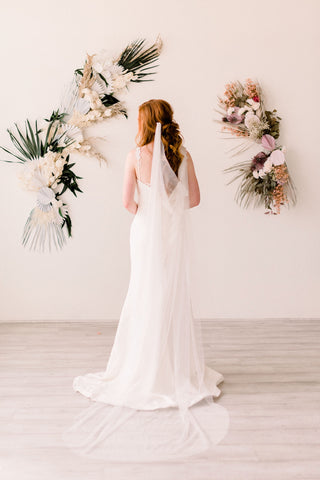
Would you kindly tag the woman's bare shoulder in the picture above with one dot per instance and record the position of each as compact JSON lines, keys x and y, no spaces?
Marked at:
{"x":131,"y":155}
{"x":133,"y":151}
{"x":189,"y":163}
{"x":186,"y":153}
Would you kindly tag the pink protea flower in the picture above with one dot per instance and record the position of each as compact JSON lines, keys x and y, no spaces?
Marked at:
{"x":277,"y":157}
{"x":268,"y":142}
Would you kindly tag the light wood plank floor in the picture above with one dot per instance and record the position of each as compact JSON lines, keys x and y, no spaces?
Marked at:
{"x":271,"y":391}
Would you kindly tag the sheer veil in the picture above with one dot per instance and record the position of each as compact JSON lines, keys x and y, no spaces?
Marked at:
{"x":180,"y":419}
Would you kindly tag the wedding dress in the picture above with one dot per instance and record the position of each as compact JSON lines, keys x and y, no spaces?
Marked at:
{"x":154,"y":400}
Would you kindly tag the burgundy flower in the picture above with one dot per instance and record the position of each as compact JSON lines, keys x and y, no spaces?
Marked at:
{"x":256,"y":98}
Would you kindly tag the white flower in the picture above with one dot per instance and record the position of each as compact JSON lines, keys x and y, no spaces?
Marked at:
{"x":230,"y":110}
{"x":101,"y":61}
{"x":92,"y":97}
{"x":42,"y":171}
{"x":59,"y":163}
{"x":107,"y":112}
{"x":93,"y":115}
{"x":97,"y":66}
{"x":242,"y":110}
{"x":259,"y":173}
{"x":119,"y":82}
{"x":116,"y":78}
{"x":31,"y":178}
{"x":254,"y":125}
{"x":267,"y":166}
{"x":251,"y":120}
{"x":254,"y":105}
{"x":41,"y":217}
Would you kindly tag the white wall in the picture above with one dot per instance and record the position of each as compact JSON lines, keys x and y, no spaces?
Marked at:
{"x":248,"y":264}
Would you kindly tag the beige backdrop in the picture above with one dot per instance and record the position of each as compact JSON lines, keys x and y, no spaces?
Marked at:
{"x":247,"y":264}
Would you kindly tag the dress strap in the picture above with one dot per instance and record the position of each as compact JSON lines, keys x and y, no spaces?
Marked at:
{"x":138,"y":158}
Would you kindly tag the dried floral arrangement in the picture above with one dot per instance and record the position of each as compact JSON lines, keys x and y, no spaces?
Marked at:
{"x":93,"y":95}
{"x":265,"y":179}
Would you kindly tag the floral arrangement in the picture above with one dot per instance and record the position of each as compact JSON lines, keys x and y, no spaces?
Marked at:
{"x":94,"y":94}
{"x":265,"y":179}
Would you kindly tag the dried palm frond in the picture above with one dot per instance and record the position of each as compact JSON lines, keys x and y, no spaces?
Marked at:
{"x":70,"y":100}
{"x":38,"y":235}
{"x":135,"y":58}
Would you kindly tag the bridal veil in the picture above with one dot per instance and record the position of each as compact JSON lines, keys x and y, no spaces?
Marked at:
{"x":167,"y":411}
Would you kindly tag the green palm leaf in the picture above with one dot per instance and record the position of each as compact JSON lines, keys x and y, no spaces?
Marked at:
{"x":135,"y":58}
{"x":29,"y":145}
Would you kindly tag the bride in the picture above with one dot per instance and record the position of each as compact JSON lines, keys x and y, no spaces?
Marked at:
{"x":155,"y":399}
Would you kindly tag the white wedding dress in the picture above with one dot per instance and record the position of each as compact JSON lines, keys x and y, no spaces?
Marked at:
{"x":154,"y":400}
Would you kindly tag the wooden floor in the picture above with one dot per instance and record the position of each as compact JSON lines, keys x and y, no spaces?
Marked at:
{"x":271,"y":391}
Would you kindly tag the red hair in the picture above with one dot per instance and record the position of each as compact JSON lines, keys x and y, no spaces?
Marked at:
{"x":150,"y":113}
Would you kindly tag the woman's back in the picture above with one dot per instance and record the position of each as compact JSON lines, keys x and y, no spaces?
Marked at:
{"x":143,"y":164}
{"x":143,"y":167}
